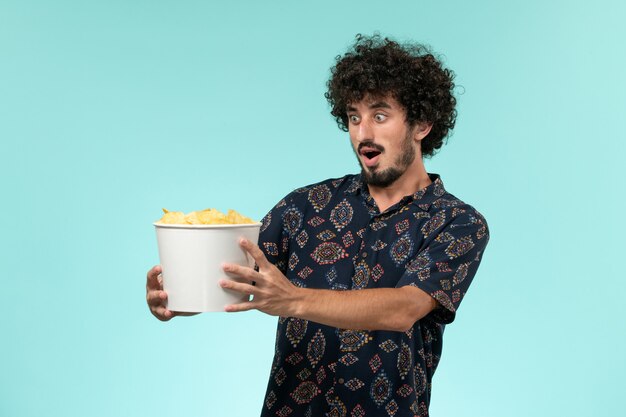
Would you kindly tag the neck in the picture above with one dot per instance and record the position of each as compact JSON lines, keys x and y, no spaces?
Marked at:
{"x":413,"y":180}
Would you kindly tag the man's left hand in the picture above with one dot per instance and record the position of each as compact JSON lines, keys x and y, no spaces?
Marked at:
{"x":272,"y":292}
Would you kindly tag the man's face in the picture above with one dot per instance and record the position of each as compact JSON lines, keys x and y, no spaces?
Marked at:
{"x":383,"y":143}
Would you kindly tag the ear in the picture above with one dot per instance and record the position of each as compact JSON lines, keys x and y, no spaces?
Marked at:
{"x":421,"y":130}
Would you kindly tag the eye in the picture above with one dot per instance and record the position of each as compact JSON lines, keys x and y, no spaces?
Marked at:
{"x":379,"y":117}
{"x":353,"y":118}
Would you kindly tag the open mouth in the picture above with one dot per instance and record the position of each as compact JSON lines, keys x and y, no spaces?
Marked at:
{"x":370,"y":155}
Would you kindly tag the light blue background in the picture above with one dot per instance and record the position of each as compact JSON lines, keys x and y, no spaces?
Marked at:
{"x":111,"y":110}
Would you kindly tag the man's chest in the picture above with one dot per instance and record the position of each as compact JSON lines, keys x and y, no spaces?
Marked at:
{"x":347,"y":246}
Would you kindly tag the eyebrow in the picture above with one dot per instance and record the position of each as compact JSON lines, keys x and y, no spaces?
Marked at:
{"x":380,"y":105}
{"x":376,"y":105}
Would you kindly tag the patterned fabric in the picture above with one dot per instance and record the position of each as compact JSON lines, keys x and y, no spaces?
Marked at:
{"x":331,"y":235}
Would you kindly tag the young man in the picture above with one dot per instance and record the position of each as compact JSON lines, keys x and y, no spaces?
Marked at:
{"x":365,"y":271}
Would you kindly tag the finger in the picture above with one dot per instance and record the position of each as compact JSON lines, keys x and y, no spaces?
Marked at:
{"x":241,"y":271}
{"x":256,"y":253}
{"x":234,"y":308}
{"x":238,"y":287}
{"x":152,"y":280}
{"x":157,"y":297}
{"x":162,"y":313}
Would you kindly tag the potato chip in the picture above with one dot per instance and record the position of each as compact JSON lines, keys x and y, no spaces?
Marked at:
{"x":192,"y":218}
{"x":236,"y":218}
{"x":212,"y":216}
{"x":207,"y":216}
{"x":172,"y":217}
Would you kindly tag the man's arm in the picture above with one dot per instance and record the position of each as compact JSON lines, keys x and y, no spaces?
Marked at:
{"x":368,"y":309}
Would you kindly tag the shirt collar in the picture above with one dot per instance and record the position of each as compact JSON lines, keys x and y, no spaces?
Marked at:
{"x":422,"y":198}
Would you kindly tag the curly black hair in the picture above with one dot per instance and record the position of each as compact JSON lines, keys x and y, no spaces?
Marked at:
{"x":410,"y":73}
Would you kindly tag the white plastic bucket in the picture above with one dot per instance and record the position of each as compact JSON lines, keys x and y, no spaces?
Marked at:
{"x":192,"y":257}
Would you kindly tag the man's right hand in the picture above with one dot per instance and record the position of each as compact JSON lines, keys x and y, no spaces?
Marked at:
{"x":155,"y":296}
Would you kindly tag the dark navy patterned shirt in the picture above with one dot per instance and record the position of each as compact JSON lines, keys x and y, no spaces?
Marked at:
{"x":331,"y":235}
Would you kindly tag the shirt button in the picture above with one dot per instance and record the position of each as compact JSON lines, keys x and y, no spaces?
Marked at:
{"x":341,"y":380}
{"x":364,"y":255}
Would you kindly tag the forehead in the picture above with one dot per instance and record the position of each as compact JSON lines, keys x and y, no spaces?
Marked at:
{"x":375,"y":102}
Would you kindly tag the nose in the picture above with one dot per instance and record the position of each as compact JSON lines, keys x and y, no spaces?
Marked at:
{"x":364,"y":131}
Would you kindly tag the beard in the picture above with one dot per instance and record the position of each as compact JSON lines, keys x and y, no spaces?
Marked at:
{"x":386,"y":177}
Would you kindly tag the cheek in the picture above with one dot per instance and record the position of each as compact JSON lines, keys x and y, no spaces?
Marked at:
{"x":353,"y":140}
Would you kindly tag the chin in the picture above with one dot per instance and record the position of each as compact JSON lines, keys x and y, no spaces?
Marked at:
{"x":380,"y":178}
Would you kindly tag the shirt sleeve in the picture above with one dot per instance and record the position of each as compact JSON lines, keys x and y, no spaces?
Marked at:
{"x":446,"y":265}
{"x":273,"y":236}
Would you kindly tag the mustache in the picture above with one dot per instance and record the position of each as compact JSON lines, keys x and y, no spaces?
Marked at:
{"x":370,"y":144}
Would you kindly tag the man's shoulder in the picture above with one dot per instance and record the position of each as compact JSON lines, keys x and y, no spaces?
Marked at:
{"x":448,"y":201}
{"x":456,"y":213}
{"x":324,"y":189}
{"x":331,"y":183}
{"x":317,"y":195}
